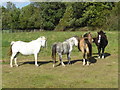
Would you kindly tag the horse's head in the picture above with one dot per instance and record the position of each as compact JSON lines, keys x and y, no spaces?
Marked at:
{"x":43,"y":41}
{"x":101,"y":35}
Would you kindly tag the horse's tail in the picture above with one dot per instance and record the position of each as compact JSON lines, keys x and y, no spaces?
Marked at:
{"x":79,"y":46}
{"x":90,"y":49}
{"x":10,"y":50}
{"x":89,"y":46}
{"x":54,"y":53}
{"x":12,"y":43}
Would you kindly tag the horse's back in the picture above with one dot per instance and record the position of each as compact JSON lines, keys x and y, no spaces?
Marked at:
{"x":25,"y":48}
{"x":82,"y":44}
{"x":85,"y":45}
{"x":66,"y":47}
{"x":20,"y":44}
{"x":105,"y":42}
{"x":62,"y":47}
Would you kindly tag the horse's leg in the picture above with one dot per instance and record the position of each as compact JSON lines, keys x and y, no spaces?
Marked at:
{"x":68,"y":56}
{"x":60,"y":57}
{"x":54,"y":63}
{"x":12,"y":57}
{"x":35,"y":55}
{"x":88,"y":57}
{"x":16,"y":61}
{"x":103,"y":53}
{"x":99,"y":50}
{"x":83,"y":58}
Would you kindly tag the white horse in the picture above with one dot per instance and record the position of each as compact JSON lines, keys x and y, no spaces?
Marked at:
{"x":26,"y":48}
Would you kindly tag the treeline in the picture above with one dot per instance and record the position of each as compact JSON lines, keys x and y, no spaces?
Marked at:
{"x":61,"y":16}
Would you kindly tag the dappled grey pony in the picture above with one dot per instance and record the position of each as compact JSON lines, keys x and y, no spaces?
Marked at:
{"x":63,"y":48}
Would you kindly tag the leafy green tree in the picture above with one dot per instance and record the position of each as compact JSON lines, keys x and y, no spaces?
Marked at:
{"x":10,"y":16}
{"x":14,"y":18}
{"x":94,"y":14}
{"x":10,"y":6}
{"x":67,"y":20}
{"x":60,"y":16}
{"x":112,"y":21}
{"x":50,"y":14}
{"x":5,"y":18}
{"x":26,"y":17}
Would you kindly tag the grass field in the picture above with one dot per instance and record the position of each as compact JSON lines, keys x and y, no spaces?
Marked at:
{"x":102,"y":73}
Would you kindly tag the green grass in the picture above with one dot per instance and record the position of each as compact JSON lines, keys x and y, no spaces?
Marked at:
{"x":101,"y":74}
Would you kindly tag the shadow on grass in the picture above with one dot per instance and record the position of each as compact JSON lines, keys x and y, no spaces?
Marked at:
{"x":106,"y":55}
{"x":92,"y":60}
{"x":39,"y":62}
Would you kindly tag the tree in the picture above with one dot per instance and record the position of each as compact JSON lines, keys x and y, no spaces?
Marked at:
{"x":50,"y":14}
{"x":10,"y":16}
{"x":67,"y":20}
{"x":60,"y":16}
{"x":5,"y":18}
{"x":112,"y":21}
{"x":94,"y":14}
{"x":26,"y":17}
{"x":10,"y":6}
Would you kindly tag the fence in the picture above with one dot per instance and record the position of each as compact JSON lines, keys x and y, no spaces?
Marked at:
{"x":15,"y":31}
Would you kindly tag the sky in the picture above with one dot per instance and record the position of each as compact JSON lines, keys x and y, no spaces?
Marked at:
{"x":18,"y":3}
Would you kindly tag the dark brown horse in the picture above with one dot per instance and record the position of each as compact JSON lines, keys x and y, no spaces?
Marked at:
{"x":85,"y":45}
{"x":101,"y":42}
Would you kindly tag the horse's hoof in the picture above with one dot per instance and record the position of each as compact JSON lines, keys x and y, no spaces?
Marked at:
{"x":88,"y":64}
{"x":103,"y":57}
{"x":37,"y":65}
{"x":83,"y":63}
{"x":16,"y":65}
{"x":98,"y":56}
{"x":53,"y":66}
{"x":63,"y":65}
{"x":11,"y":66}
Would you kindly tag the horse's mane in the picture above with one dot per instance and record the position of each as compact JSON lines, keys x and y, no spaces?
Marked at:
{"x":77,"y":37}
{"x":85,"y":35}
{"x":68,"y":39}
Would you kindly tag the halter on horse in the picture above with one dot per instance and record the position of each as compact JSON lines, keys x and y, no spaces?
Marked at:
{"x":101,"y":42}
{"x":26,"y":48}
{"x":63,"y":48}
